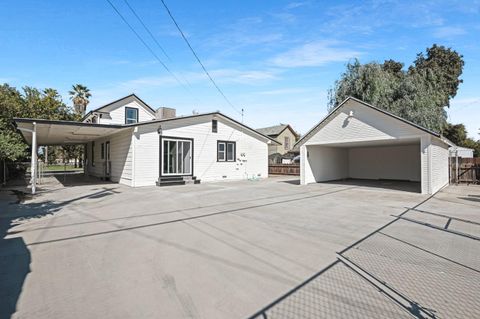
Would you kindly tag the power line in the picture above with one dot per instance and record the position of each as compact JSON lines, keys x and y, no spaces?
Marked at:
{"x":154,"y":39}
{"x":146,"y":45}
{"x":198,"y":59}
{"x":147,"y":29}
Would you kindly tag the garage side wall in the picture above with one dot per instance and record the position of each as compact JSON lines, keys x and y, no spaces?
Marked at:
{"x":439,"y":162}
{"x":385,"y":162}
{"x":324,"y":164}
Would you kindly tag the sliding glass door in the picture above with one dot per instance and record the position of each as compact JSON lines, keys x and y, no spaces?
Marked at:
{"x":177,"y":157}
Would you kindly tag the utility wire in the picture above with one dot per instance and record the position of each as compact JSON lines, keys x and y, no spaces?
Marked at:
{"x":147,"y":46}
{"x":155,"y":40}
{"x":147,"y":29}
{"x":198,"y":59}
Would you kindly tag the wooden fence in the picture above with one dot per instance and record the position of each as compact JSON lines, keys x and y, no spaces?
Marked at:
{"x":468,"y":170}
{"x":284,"y":169}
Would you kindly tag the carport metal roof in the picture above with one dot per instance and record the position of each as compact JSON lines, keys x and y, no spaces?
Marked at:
{"x":55,"y":132}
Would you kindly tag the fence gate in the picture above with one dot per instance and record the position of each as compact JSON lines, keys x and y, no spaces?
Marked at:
{"x":465,"y":170}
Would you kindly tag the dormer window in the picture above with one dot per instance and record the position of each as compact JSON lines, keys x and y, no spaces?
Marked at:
{"x":131,"y":115}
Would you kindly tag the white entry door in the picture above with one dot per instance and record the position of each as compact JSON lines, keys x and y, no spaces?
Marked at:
{"x":177,"y":156}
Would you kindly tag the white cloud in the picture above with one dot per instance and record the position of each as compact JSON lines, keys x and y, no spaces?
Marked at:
{"x":465,"y":101}
{"x":294,"y":5}
{"x":283,"y":91}
{"x":466,"y":110}
{"x":7,"y":80}
{"x":449,"y":32}
{"x":314,"y":54}
{"x":147,"y":83}
{"x":245,"y":77}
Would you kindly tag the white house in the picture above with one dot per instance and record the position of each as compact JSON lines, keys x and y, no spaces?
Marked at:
{"x":130,"y":143}
{"x":360,"y":141}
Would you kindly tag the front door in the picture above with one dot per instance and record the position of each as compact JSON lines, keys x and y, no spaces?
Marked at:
{"x":177,"y":156}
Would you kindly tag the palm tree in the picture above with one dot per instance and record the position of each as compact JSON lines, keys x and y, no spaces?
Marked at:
{"x":79,"y":95}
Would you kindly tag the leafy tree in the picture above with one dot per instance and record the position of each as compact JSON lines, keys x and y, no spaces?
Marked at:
{"x":457,"y":133}
{"x":419,"y":94}
{"x":470,"y":143}
{"x":80,"y":95}
{"x":447,"y":64}
{"x":12,"y":146}
{"x":31,"y":103}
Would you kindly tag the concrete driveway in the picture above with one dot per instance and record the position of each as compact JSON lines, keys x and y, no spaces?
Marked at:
{"x":221,"y":250}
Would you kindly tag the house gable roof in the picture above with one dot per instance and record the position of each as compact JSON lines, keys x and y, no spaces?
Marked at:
{"x":206,"y":114}
{"x":335,"y":112}
{"x":131,"y":97}
{"x":80,"y":125}
{"x":274,"y":131}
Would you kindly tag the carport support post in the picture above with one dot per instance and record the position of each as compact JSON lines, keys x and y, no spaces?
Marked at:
{"x":33,"y":168}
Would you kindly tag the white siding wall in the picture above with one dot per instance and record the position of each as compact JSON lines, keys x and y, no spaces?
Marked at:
{"x":120,"y":157}
{"x":439,"y":165}
{"x":254,"y":163}
{"x":117,"y":113}
{"x":325,"y":164}
{"x":385,"y":162}
{"x":425,"y":161}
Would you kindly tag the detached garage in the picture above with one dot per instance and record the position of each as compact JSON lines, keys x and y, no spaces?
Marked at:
{"x":360,"y":141}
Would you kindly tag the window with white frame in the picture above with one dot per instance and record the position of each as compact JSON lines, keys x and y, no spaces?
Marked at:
{"x":226,"y":151}
{"x":131,"y":115}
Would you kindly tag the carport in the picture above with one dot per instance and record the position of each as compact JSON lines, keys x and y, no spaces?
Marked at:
{"x":359,"y":141}
{"x":55,"y":132}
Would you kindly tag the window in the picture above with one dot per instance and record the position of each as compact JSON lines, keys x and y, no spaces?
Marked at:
{"x":286,"y":143}
{"x":102,"y":152}
{"x":214,"y":126}
{"x":131,"y":115}
{"x":226,"y":151}
{"x":93,"y":153}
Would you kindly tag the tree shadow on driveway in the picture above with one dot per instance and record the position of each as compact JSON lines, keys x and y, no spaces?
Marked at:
{"x":15,"y":257}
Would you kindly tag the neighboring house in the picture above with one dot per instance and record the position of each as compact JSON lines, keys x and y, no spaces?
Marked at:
{"x":463,"y":152}
{"x":130,"y":143}
{"x":358,"y":140}
{"x":284,"y":135}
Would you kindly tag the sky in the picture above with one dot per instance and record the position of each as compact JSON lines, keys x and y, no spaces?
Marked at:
{"x":275,"y":59}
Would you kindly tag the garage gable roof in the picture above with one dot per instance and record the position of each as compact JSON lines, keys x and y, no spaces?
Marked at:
{"x":334,"y":112}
